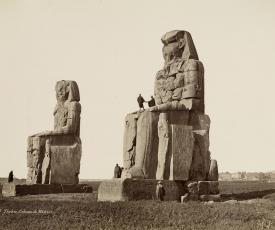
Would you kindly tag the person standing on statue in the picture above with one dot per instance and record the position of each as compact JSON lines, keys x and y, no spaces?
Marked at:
{"x":140,"y":101}
{"x":10,"y":179}
{"x":160,"y":191}
{"x":152,"y":102}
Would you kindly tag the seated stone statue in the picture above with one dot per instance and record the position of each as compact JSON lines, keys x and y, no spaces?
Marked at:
{"x":54,"y":156}
{"x":170,"y":141}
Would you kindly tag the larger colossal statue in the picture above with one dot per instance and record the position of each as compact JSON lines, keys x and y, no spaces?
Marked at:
{"x":53,"y":157}
{"x":170,"y":141}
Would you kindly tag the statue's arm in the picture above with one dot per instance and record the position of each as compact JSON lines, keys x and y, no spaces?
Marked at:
{"x":73,"y":120}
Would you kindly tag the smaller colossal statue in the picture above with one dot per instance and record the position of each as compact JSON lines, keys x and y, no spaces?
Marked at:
{"x":54,"y":156}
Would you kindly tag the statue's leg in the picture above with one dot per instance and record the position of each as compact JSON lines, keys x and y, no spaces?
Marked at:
{"x":34,"y":159}
{"x":46,"y":163}
{"x":163,"y":149}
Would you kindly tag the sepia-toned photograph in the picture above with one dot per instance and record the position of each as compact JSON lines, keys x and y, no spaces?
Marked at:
{"x":137,"y":114}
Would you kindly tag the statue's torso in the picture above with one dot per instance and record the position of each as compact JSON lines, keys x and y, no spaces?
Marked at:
{"x":60,"y":116}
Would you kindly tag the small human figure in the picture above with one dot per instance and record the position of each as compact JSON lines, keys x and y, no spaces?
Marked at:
{"x":120,"y":171}
{"x":117,"y":171}
{"x":10,"y":179}
{"x":140,"y":101}
{"x":152,"y":102}
{"x":160,"y":192}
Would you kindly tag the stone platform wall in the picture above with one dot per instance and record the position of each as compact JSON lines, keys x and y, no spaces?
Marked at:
{"x":138,"y":189}
{"x":11,"y":189}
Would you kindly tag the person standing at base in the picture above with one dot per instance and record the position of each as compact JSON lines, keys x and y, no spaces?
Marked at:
{"x":140,"y":101}
{"x":120,"y":171}
{"x":117,"y":171}
{"x":10,"y":179}
{"x":160,"y":192}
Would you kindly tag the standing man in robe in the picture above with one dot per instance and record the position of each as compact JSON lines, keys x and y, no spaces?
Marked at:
{"x":140,"y":101}
{"x":160,"y":192}
{"x":117,"y":171}
{"x":152,"y":102}
{"x":10,"y":179}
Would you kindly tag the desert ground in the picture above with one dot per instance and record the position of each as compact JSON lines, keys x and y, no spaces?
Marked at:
{"x":245,"y":205}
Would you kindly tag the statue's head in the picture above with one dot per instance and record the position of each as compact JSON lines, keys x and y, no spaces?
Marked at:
{"x":178,"y":44}
{"x":62,"y":91}
{"x":67,"y":91}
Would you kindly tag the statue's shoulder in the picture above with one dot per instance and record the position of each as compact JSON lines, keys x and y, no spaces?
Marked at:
{"x":74,"y":106}
{"x":190,"y":65}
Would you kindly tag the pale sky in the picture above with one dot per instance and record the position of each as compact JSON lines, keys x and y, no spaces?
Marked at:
{"x":112,"y":49}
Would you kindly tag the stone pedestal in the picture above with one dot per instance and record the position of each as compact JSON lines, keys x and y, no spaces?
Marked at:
{"x":138,"y":189}
{"x":145,"y":189}
{"x":11,"y":189}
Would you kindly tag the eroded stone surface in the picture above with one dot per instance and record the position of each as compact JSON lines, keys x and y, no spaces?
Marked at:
{"x":182,"y":147}
{"x":130,"y":135}
{"x":142,"y":131}
{"x":65,"y":163}
{"x":163,"y":148}
{"x":201,"y":156}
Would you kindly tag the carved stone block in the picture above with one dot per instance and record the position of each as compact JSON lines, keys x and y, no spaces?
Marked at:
{"x":146,"y":146}
{"x":65,"y":164}
{"x":138,"y":189}
{"x":201,"y":156}
{"x":182,"y":147}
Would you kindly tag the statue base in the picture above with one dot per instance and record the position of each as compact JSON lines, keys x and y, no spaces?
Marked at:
{"x":11,"y":189}
{"x":145,"y":189}
{"x":138,"y":189}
